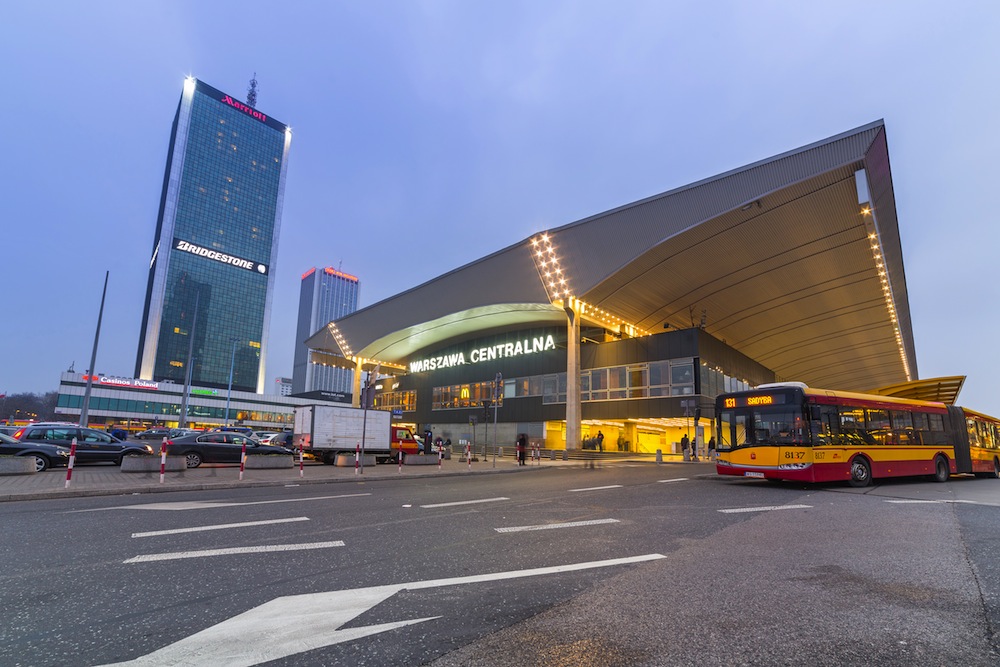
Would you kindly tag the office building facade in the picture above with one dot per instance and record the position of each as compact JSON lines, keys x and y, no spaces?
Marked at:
{"x":210,"y":285}
{"x":325,"y":295}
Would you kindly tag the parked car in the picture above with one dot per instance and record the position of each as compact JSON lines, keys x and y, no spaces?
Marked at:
{"x":218,"y":447}
{"x":92,"y":446}
{"x":264,"y":436}
{"x":283,"y":439}
{"x":46,"y":455}
{"x":8,"y":430}
{"x":153,"y":434}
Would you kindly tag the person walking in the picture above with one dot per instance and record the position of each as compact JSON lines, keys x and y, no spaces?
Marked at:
{"x":522,"y":445}
{"x":600,"y":441}
{"x":711,"y":448}
{"x":686,"y":447}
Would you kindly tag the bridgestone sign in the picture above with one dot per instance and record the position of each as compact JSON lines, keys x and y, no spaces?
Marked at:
{"x":208,"y":253}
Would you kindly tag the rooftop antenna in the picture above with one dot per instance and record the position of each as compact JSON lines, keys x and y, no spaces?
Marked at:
{"x":252,"y":92}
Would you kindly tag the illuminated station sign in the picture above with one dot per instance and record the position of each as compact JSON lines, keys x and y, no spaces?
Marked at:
{"x":481,"y":354}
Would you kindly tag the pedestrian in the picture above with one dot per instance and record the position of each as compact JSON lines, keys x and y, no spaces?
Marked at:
{"x":522,"y":445}
{"x":686,"y":447}
{"x":711,"y":448}
{"x":600,"y":441}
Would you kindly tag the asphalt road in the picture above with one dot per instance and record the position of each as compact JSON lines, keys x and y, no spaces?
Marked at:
{"x":616,"y":565}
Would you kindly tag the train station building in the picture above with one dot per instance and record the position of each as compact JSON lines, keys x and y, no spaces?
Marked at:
{"x":627,"y":324}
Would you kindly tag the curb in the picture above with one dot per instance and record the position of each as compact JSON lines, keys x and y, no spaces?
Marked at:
{"x":209,"y":486}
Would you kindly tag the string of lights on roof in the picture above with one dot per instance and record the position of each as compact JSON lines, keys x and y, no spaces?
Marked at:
{"x":890,"y":302}
{"x":557,"y":289}
{"x":345,"y":349}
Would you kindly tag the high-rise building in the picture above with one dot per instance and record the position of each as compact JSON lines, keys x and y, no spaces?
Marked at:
{"x":326,"y":295}
{"x":212,"y":266}
{"x":284,"y":386}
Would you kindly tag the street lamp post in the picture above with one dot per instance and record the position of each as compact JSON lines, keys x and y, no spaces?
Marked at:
{"x":229,"y":392}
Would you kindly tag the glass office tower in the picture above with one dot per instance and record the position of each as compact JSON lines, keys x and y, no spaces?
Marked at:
{"x":212,"y":266}
{"x":326,"y":295}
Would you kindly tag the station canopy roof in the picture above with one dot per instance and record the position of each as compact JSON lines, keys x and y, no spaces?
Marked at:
{"x":794,"y":261}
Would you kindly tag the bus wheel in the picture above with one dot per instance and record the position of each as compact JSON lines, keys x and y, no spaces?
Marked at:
{"x":861,"y":473}
{"x":941,"y":472}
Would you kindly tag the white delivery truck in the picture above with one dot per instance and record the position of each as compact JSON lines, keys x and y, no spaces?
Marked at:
{"x":328,"y":430}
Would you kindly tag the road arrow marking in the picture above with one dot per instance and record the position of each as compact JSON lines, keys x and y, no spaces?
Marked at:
{"x":299,"y":623}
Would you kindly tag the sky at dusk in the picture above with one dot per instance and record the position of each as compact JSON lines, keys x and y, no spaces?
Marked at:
{"x":427,"y":135}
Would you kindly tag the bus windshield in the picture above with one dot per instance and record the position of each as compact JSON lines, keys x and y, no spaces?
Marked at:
{"x":778,"y":425}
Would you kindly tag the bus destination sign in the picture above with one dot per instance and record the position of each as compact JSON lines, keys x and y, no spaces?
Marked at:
{"x":753,"y":400}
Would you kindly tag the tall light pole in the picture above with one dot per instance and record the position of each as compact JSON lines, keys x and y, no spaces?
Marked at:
{"x":232,"y":363}
{"x":182,"y":421}
{"x":84,"y":416}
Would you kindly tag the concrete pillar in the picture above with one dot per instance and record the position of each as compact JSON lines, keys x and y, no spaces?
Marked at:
{"x":573,"y":410}
{"x":356,"y":390}
{"x":632,"y":435}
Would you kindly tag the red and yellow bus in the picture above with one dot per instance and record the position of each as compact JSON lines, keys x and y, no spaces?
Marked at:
{"x":788,"y":431}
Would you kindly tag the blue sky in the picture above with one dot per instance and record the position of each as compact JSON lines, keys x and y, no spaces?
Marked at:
{"x":429,"y":134}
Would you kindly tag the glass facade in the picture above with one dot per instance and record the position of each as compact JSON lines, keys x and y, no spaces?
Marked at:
{"x":215,"y":243}
{"x":326,"y":295}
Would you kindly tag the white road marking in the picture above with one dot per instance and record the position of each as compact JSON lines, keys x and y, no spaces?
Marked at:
{"x":300,"y":623}
{"x":678,"y":479}
{"x":549,"y":526}
{"x":266,"y":548}
{"x":466,"y":502}
{"x":597,"y":488}
{"x":768,"y":508}
{"x":938,"y":502}
{"x":212,"y":504}
{"x":221,"y":526}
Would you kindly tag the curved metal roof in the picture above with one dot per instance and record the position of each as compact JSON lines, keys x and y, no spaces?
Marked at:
{"x":794,"y":261}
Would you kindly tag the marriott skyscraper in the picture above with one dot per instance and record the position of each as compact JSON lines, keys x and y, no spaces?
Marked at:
{"x":211,"y":272}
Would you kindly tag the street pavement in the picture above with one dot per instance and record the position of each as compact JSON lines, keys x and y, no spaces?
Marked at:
{"x":108,"y":479}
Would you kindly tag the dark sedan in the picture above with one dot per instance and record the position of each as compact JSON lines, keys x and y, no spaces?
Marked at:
{"x":46,"y":455}
{"x":217,"y":447}
{"x":153,"y":434}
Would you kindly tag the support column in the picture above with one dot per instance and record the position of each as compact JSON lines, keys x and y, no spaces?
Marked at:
{"x":573,"y":411}
{"x":356,"y":389}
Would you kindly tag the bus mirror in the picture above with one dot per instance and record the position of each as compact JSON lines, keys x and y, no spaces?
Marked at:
{"x":815,"y":413}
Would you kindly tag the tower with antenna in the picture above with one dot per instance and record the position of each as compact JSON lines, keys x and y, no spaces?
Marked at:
{"x":252,"y":92}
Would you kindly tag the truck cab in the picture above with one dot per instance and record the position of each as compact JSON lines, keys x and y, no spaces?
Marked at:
{"x":402,"y":440}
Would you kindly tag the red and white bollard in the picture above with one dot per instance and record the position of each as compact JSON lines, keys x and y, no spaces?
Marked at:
{"x":440,"y":456}
{"x":243,"y":458}
{"x":357,"y":458}
{"x":468,"y":455}
{"x":400,"y":461}
{"x":301,"y":469}
{"x":72,"y":460}
{"x":163,"y":459}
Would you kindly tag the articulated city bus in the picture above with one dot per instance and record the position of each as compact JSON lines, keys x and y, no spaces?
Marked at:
{"x":788,"y":431}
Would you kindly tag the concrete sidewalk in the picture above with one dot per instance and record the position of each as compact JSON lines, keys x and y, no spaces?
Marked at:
{"x":108,"y":479}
